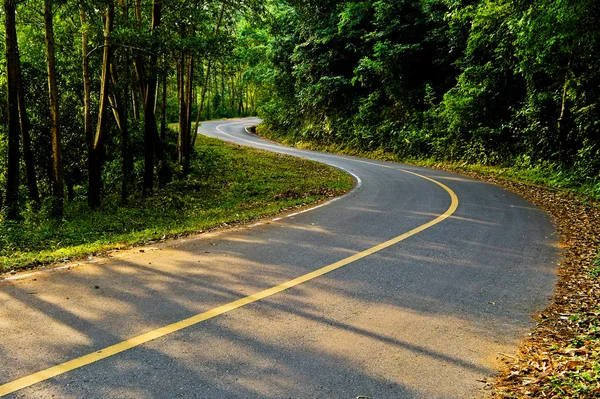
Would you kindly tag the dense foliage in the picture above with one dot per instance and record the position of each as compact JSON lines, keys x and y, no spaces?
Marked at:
{"x":493,"y":82}
{"x":91,"y":86}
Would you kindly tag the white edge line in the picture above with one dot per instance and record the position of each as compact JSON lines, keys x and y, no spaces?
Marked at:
{"x":356,"y":187}
{"x":24,"y":276}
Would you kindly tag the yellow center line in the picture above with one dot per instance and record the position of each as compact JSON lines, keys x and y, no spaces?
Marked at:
{"x":79,"y":362}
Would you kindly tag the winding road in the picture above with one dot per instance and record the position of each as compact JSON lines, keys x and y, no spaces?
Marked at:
{"x":410,"y":286}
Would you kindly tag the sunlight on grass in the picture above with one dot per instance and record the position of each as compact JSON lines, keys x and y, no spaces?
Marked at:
{"x":228,"y":184}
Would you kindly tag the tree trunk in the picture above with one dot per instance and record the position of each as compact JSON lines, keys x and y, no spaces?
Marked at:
{"x":120,"y":112}
{"x":96,"y":155}
{"x":206,"y":79}
{"x":233,"y":95}
{"x":138,"y":13}
{"x":151,"y":138}
{"x":188,"y":111}
{"x":563,"y":108}
{"x":12,"y":57}
{"x":57,"y":166}
{"x":223,"y":103}
{"x":32,"y":186}
{"x":87,"y":83}
{"x":181,"y":105}
{"x":87,"y":90}
{"x":135,"y":103}
{"x":163,"y":110}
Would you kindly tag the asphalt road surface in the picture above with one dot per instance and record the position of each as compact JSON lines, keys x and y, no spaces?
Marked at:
{"x":241,"y":313}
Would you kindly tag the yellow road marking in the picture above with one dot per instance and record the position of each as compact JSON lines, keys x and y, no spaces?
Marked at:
{"x":51,"y":372}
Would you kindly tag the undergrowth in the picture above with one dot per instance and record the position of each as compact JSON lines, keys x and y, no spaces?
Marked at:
{"x":544,"y":174}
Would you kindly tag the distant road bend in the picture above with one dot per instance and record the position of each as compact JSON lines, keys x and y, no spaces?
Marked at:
{"x":410,"y":286}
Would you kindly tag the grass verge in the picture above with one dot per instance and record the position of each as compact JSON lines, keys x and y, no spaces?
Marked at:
{"x":538,"y":175}
{"x":229,"y":184}
{"x":561,"y":356}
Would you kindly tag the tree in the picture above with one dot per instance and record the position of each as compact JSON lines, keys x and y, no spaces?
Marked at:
{"x":57,"y":166}
{"x":12,"y":66}
{"x":97,"y":146}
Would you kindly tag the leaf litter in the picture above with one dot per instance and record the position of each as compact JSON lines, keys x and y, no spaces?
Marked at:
{"x":561,"y":356}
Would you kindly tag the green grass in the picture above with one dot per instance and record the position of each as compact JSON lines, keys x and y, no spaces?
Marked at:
{"x":538,"y":175}
{"x":579,"y":365}
{"x":594,"y":273}
{"x":229,"y":184}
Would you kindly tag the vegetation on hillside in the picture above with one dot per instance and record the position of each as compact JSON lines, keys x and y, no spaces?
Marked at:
{"x":492,"y":82}
{"x":91,"y":87}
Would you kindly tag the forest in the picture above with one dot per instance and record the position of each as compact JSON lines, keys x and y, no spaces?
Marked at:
{"x":103,"y":99}
{"x":508,"y":83}
{"x":91,"y":88}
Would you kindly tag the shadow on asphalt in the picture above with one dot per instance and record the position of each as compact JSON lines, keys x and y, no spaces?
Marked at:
{"x":426,"y":318}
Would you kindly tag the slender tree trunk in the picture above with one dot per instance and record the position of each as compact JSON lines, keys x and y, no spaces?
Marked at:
{"x":57,"y":166}
{"x":87,"y":83}
{"x":563,"y":109}
{"x":163,"y":110}
{"x":207,"y":115}
{"x":563,"y":106}
{"x":186,"y":83}
{"x":120,"y":112}
{"x":135,"y":104}
{"x":223,"y":104}
{"x":151,"y":138}
{"x":188,"y":119}
{"x":156,"y":96}
{"x":233,"y":95}
{"x":181,"y":106}
{"x":148,"y":86}
{"x":95,"y":173}
{"x":138,"y":13}
{"x":32,"y":186}
{"x":206,"y":79}
{"x":126,"y":154}
{"x":15,"y":81}
{"x":12,"y":57}
{"x":87,"y":90}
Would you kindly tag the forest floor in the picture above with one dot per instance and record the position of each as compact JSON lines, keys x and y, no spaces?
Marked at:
{"x":228,"y":185}
{"x":561,"y":356}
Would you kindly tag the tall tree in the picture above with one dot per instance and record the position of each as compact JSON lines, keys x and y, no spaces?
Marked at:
{"x":120,"y":107}
{"x":148,"y":80}
{"x":12,"y":61}
{"x":57,"y":165}
{"x":87,"y":87}
{"x":185,"y":74}
{"x":207,"y":78}
{"x":97,"y":148}
{"x":26,"y":138}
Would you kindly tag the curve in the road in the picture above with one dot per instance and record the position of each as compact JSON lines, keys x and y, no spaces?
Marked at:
{"x":424,"y":319}
{"x":112,"y":350}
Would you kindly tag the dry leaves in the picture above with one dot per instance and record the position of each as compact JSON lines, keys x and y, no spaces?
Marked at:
{"x":561,"y":357}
